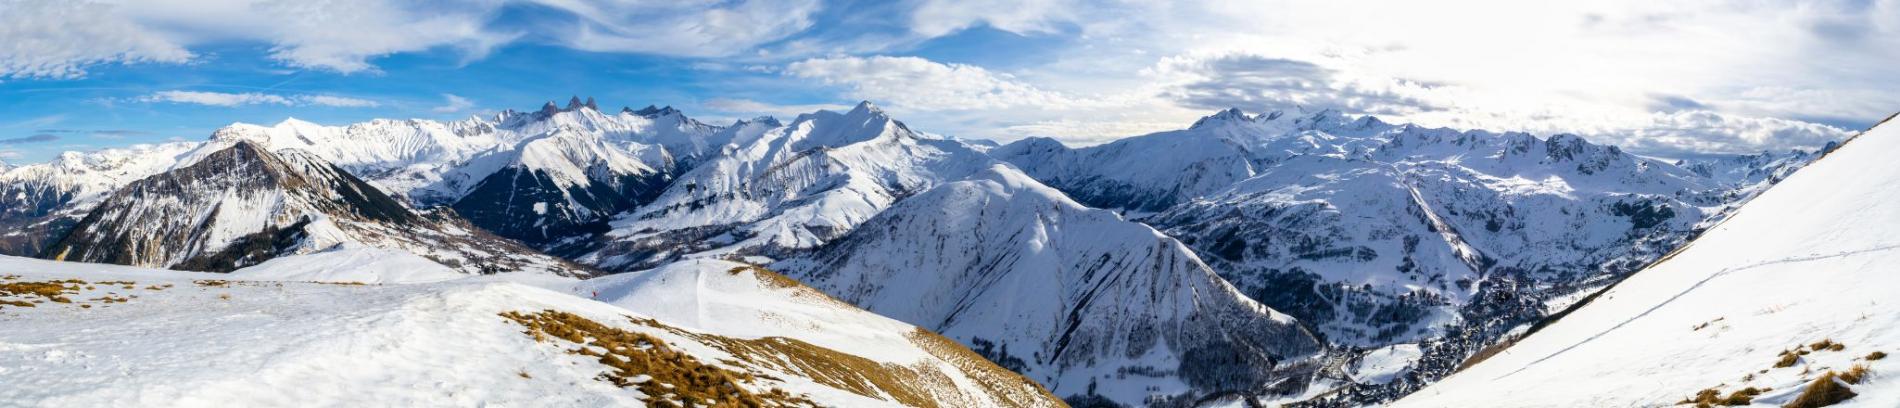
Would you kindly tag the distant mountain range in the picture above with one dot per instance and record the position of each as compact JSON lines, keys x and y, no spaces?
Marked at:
{"x":1274,"y":257}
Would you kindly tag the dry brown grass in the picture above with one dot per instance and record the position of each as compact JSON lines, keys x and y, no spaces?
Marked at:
{"x":671,"y":378}
{"x":1827,"y":345}
{"x":1855,"y":374}
{"x":1788,"y":359}
{"x":631,"y":352}
{"x":1822,"y":392}
{"x":212,"y":283}
{"x":1876,"y":355}
{"x":55,"y":291}
{"x":1713,"y":397}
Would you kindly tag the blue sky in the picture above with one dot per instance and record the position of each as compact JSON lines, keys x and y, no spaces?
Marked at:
{"x":1669,"y":79}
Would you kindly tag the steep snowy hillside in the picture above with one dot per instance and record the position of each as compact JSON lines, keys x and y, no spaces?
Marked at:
{"x":243,"y":205}
{"x":1077,"y":298}
{"x":744,"y":301}
{"x":205,"y":340}
{"x":1790,"y":296}
{"x":40,"y":202}
{"x":785,"y":188}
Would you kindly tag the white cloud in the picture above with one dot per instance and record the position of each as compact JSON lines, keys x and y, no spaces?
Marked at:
{"x":932,"y":18}
{"x":1220,"y":81}
{"x":973,"y":102}
{"x":337,"y":101}
{"x":253,"y":98}
{"x":699,"y":28}
{"x":917,"y":83}
{"x":216,"y":98}
{"x":59,"y":39}
{"x":739,"y":106}
{"x":452,"y":103}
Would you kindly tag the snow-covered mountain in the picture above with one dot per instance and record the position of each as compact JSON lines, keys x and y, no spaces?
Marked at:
{"x":40,"y":202}
{"x":1157,"y":171}
{"x":1381,"y":236}
{"x":1091,"y":305}
{"x":1787,"y":301}
{"x":256,"y":338}
{"x":781,"y":189}
{"x":540,"y":177}
{"x":242,"y":205}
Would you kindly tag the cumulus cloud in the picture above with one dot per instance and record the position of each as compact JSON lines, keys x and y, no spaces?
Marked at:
{"x":452,"y":103}
{"x":59,"y":39}
{"x":933,"y":18}
{"x":1702,"y":131}
{"x":224,"y":99}
{"x":1255,"y":81}
{"x":917,"y":83}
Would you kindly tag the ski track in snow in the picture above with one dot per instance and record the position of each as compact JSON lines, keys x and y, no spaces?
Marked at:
{"x":1692,"y":288}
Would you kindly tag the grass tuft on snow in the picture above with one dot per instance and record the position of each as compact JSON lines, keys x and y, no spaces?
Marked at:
{"x":1822,"y":392}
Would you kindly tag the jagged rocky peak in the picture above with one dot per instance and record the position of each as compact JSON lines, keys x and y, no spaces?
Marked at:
{"x":1303,"y":118}
{"x":1229,"y":115}
{"x":767,"y":121}
{"x":653,"y":111}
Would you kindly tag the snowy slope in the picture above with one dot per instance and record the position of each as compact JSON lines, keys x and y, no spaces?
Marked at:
{"x":202,"y":340}
{"x":1077,"y":298}
{"x":785,"y":188}
{"x":740,"y":300}
{"x":1805,"y":261}
{"x":243,"y":205}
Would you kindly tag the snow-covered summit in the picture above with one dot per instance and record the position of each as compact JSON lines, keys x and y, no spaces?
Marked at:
{"x":787,"y":187}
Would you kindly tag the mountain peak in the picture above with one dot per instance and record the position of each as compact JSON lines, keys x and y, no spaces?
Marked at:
{"x":866,"y":106}
{"x":574,"y":102}
{"x":549,"y":108}
{"x":1231,"y":115}
{"x":653,"y":112}
{"x":767,"y":120}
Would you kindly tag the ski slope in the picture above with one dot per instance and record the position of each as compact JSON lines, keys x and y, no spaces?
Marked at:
{"x":1810,"y":260}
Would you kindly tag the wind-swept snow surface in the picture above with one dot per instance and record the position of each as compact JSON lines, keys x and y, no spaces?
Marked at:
{"x":1804,"y":267}
{"x":124,"y":336}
